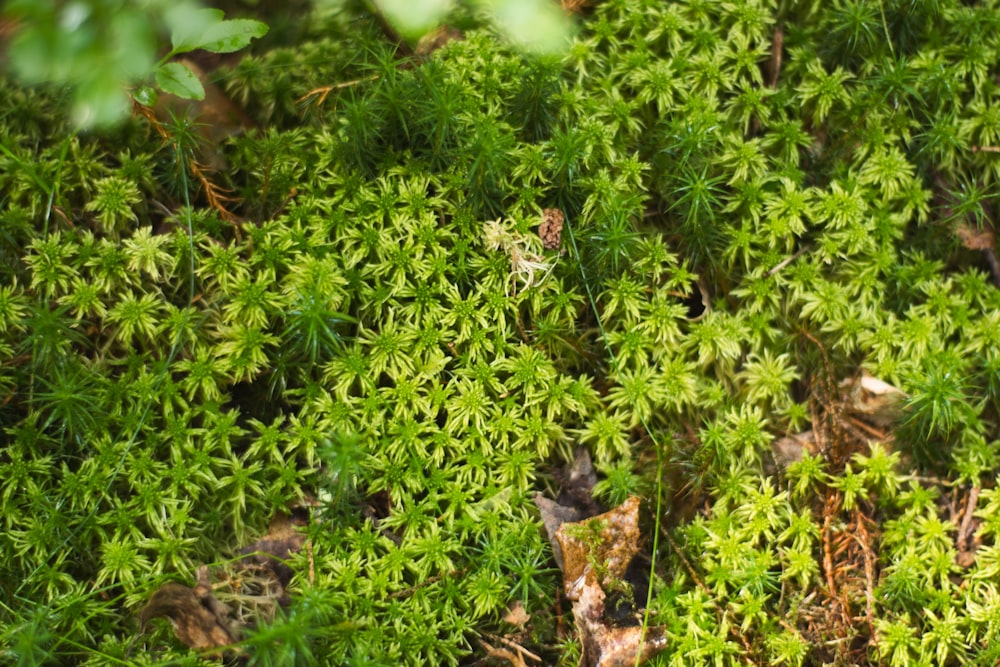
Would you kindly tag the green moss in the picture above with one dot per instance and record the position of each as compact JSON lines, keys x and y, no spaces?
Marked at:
{"x":383,"y":337}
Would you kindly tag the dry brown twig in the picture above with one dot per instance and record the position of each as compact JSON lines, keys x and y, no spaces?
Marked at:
{"x":964,"y":541}
{"x":514,"y":645}
{"x":830,"y":507}
{"x":512,"y":658}
{"x":322,"y":92}
{"x":864,"y":540}
{"x":216,"y":195}
{"x":776,"y":46}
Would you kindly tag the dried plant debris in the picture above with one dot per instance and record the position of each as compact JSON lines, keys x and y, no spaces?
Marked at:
{"x":596,"y":555}
{"x":517,"y":615}
{"x":211,"y":615}
{"x":506,"y":656}
{"x":575,"y":501}
{"x":272,"y":551}
{"x":789,"y":450}
{"x":578,"y":481}
{"x":865,"y":398}
{"x":553,"y":516}
{"x":976,"y":238}
{"x":982,"y":238}
{"x":199,"y":620}
{"x":550,"y":230}
{"x":436,"y":39}
{"x":215,"y":117}
{"x":873,"y":399}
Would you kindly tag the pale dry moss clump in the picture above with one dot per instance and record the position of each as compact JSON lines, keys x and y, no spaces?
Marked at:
{"x":528,"y":266}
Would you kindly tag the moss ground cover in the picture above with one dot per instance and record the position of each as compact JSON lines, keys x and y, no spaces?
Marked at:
{"x":359,"y":317}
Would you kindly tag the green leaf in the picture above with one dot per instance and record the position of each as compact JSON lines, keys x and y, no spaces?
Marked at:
{"x":145,"y":95}
{"x":188,"y":25}
{"x":534,"y":25}
{"x":229,"y":36}
{"x":413,"y":18}
{"x":101,"y":103}
{"x":177,"y":79}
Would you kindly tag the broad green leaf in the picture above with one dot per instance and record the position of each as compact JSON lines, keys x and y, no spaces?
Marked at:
{"x":132,"y":45}
{"x":538,"y":26}
{"x":188,"y":23}
{"x":176,"y":79}
{"x":229,"y":36}
{"x":412,"y":18}
{"x":101,"y":103}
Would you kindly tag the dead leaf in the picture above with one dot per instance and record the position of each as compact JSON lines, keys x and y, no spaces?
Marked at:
{"x":617,"y":542}
{"x":617,"y":647}
{"x":789,"y":450}
{"x":273,"y":550}
{"x":516,"y":615}
{"x":576,"y":485}
{"x":575,"y":502}
{"x":554,"y":515}
{"x":596,"y":554}
{"x":874,"y":400}
{"x":197,"y":617}
{"x":976,"y":239}
{"x":581,"y":479}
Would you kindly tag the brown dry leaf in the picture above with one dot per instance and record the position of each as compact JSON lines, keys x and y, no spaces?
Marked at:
{"x":575,"y":502}
{"x":516,"y":615}
{"x":576,"y":485}
{"x":976,"y":239}
{"x":197,"y":617}
{"x":789,"y":450}
{"x":553,"y":516}
{"x":618,"y":543}
{"x":874,"y":400}
{"x":272,"y":550}
{"x":596,"y":554}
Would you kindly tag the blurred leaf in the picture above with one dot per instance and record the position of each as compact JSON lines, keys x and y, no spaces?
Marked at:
{"x":229,"y":36}
{"x":537,"y":26}
{"x":189,"y":23}
{"x":100,"y":103}
{"x":413,"y":18}
{"x":132,"y":46}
